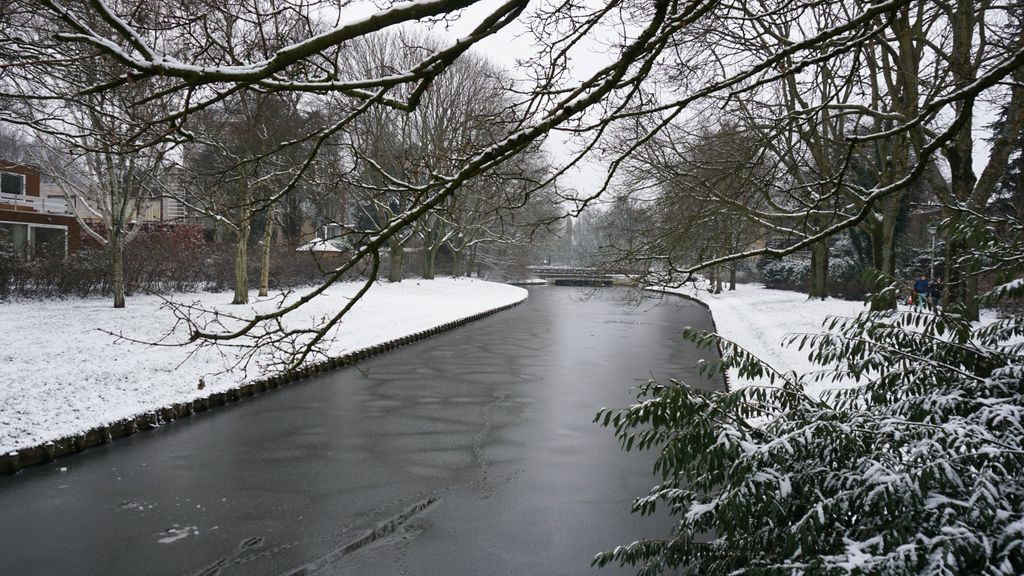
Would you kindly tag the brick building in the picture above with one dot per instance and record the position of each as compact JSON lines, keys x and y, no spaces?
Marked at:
{"x":30,"y":222}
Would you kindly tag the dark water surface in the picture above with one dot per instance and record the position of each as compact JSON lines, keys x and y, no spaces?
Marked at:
{"x":472,"y":452}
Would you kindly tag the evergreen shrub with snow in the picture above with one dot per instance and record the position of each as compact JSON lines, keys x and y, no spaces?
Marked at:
{"x":919,"y":469}
{"x":914,"y":262}
{"x":848,"y":269}
{"x":789,"y":273}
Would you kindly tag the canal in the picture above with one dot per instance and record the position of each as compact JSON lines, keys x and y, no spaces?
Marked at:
{"x":473,"y":452}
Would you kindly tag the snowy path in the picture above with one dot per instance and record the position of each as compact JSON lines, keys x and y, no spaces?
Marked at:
{"x":60,"y":375}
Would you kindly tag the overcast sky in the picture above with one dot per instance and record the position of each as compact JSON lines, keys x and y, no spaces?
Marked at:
{"x":514,"y":43}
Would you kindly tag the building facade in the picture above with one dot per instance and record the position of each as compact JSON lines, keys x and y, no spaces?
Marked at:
{"x":32,"y":223}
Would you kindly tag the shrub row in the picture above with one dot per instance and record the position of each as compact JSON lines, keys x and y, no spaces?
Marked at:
{"x":160,"y":259}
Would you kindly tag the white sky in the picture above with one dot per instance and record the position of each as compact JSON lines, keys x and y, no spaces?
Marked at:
{"x":514,"y":43}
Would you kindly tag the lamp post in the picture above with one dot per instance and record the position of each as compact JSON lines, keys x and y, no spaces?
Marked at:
{"x":932,"y":228}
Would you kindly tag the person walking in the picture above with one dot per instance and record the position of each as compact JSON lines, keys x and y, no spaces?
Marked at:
{"x":921,"y":292}
{"x":935,"y":292}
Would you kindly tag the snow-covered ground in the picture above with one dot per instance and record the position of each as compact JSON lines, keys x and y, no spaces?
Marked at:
{"x":759,"y":319}
{"x":61,"y":375}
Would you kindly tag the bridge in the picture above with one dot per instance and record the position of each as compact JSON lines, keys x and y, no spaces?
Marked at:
{"x":573,"y":276}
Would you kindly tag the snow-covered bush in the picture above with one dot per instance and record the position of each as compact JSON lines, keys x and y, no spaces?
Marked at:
{"x":845,"y":260}
{"x":918,"y":470}
{"x":913,"y":262}
{"x":9,"y":264}
{"x":848,"y":268}
{"x":789,"y":273}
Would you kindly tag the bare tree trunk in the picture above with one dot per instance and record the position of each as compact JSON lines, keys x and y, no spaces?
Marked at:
{"x":888,"y":249}
{"x":117,"y":265}
{"x":395,"y":262}
{"x":960,"y":287}
{"x":960,"y":155}
{"x":950,"y":278}
{"x":242,"y":247}
{"x":458,"y":264}
{"x":972,"y":308}
{"x":819,"y":271}
{"x":268,"y":232}
{"x":716,"y":281}
{"x":875,"y":234}
{"x":242,"y":264}
{"x":429,"y":262}
{"x":961,"y":281}
{"x":883,"y":249}
{"x":732,"y":277}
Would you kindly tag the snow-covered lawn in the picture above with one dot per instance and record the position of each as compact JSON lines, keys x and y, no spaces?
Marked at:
{"x":759,"y":319}
{"x":60,"y":375}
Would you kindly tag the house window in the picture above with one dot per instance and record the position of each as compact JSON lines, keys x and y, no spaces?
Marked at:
{"x":11,"y":183}
{"x":47,"y":242}
{"x":332,"y":231}
{"x":14,"y":237}
{"x":30,"y":240}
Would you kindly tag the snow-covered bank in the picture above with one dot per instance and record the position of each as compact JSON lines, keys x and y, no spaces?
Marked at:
{"x":759,"y":319}
{"x":61,"y":376}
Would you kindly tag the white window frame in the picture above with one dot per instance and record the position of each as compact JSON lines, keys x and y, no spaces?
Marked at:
{"x":327,"y":231}
{"x":31,"y":237}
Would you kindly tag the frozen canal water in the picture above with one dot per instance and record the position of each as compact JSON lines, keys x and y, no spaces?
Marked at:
{"x":471,"y":453}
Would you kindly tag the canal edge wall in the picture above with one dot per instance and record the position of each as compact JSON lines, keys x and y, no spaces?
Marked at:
{"x":725,"y":375}
{"x":13,"y":461}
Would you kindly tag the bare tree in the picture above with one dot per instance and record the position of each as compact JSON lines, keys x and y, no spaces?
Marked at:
{"x":693,"y":197}
{"x":236,"y":164}
{"x":855,"y":118}
{"x":382,"y":150}
{"x":103,"y":150}
{"x":105,"y":189}
{"x":466,"y":108}
{"x":977,"y":42}
{"x":501,"y":214}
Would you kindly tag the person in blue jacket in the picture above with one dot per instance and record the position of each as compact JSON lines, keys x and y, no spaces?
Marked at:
{"x":921,"y":291}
